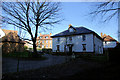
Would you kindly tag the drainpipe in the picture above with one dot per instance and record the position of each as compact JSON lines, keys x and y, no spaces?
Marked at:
{"x":66,"y":48}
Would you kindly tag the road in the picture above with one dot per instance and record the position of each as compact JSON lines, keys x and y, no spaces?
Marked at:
{"x":10,"y":64}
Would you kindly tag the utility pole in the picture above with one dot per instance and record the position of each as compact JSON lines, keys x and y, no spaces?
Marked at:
{"x":119,"y":21}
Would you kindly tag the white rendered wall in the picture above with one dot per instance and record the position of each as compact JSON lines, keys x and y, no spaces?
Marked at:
{"x":1,"y":33}
{"x":98,"y":45}
{"x":76,"y":41}
{"x":109,"y":44}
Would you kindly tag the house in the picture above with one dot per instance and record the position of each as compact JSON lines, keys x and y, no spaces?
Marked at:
{"x":28,"y":43}
{"x":77,"y":40}
{"x":44,"y":41}
{"x":1,"y":33}
{"x":109,"y":42}
{"x":11,"y":42}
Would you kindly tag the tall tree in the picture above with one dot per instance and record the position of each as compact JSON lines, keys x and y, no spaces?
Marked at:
{"x":108,"y":10}
{"x":31,"y":16}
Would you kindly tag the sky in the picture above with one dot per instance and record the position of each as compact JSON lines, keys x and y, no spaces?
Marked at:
{"x":77,"y":14}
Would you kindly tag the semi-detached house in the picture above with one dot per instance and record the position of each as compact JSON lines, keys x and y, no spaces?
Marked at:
{"x":77,"y":40}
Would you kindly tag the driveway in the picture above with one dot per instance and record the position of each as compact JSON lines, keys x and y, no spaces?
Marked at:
{"x":10,"y":64}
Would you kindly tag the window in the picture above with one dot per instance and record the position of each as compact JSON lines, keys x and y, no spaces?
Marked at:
{"x":46,"y":41}
{"x":84,"y":47}
{"x":83,"y":37}
{"x":50,"y":46}
{"x":71,"y":30}
{"x":70,"y":38}
{"x":43,"y":41}
{"x":58,"y":40}
{"x":46,"y":46}
{"x":39,"y":46}
{"x":40,"y":37}
{"x":39,"y":41}
{"x":46,"y":37}
{"x":42,"y":46}
{"x":58,"y":47}
{"x":50,"y":41}
{"x":105,"y":42}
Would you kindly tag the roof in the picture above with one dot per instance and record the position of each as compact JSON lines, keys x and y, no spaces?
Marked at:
{"x":78,"y":31}
{"x":8,"y":31}
{"x":45,"y":35}
{"x":12,"y":37}
{"x":107,"y":38}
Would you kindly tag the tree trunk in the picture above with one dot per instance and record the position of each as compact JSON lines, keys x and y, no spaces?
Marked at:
{"x":35,"y":54}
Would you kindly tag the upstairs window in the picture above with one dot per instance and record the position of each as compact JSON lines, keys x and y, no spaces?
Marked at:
{"x":83,"y":37}
{"x":58,"y":40}
{"x":70,"y":38}
{"x":71,"y":30}
{"x":46,"y":37}
{"x":40,"y":37}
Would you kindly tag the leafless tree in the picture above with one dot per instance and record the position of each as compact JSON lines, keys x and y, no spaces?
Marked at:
{"x":31,"y":16}
{"x":107,"y":10}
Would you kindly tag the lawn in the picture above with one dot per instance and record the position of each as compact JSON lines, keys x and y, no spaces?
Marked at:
{"x":95,"y":57}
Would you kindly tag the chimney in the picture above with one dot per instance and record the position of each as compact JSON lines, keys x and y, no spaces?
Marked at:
{"x":40,"y":34}
{"x":70,"y":25}
{"x":50,"y":34}
{"x":101,"y":34}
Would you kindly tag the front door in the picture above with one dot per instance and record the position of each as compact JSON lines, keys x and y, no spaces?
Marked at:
{"x":70,"y":49}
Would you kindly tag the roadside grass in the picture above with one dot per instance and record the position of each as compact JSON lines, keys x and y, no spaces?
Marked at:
{"x":24,"y":56}
{"x":18,"y":54}
{"x":99,"y":58}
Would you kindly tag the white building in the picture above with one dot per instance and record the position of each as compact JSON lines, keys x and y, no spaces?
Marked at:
{"x":77,"y":40}
{"x":1,"y":33}
{"x":109,"y":42}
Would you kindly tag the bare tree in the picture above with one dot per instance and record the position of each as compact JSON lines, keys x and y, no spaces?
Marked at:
{"x":31,"y":16}
{"x":107,"y":10}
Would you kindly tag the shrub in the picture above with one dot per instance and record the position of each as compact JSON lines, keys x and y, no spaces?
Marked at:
{"x":46,"y":50}
{"x":25,"y":47}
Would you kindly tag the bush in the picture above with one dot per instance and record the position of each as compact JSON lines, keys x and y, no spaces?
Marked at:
{"x":25,"y":47}
{"x":47,"y":50}
{"x":30,"y":48}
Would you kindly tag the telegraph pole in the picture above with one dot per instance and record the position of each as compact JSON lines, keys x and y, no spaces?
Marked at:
{"x":119,"y":21}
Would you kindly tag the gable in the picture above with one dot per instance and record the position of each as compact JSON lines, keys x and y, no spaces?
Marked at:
{"x":11,"y":37}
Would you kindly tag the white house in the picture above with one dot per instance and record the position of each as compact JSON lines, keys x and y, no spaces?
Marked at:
{"x":109,"y":42}
{"x":1,"y":33}
{"x":77,"y":40}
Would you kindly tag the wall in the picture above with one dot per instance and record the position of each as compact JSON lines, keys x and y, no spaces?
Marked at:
{"x":76,"y":41}
{"x":43,"y":42}
{"x":109,"y":44}
{"x":1,"y":33}
{"x":98,"y":45}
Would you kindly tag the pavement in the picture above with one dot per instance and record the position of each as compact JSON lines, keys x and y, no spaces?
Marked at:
{"x":10,"y":64}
